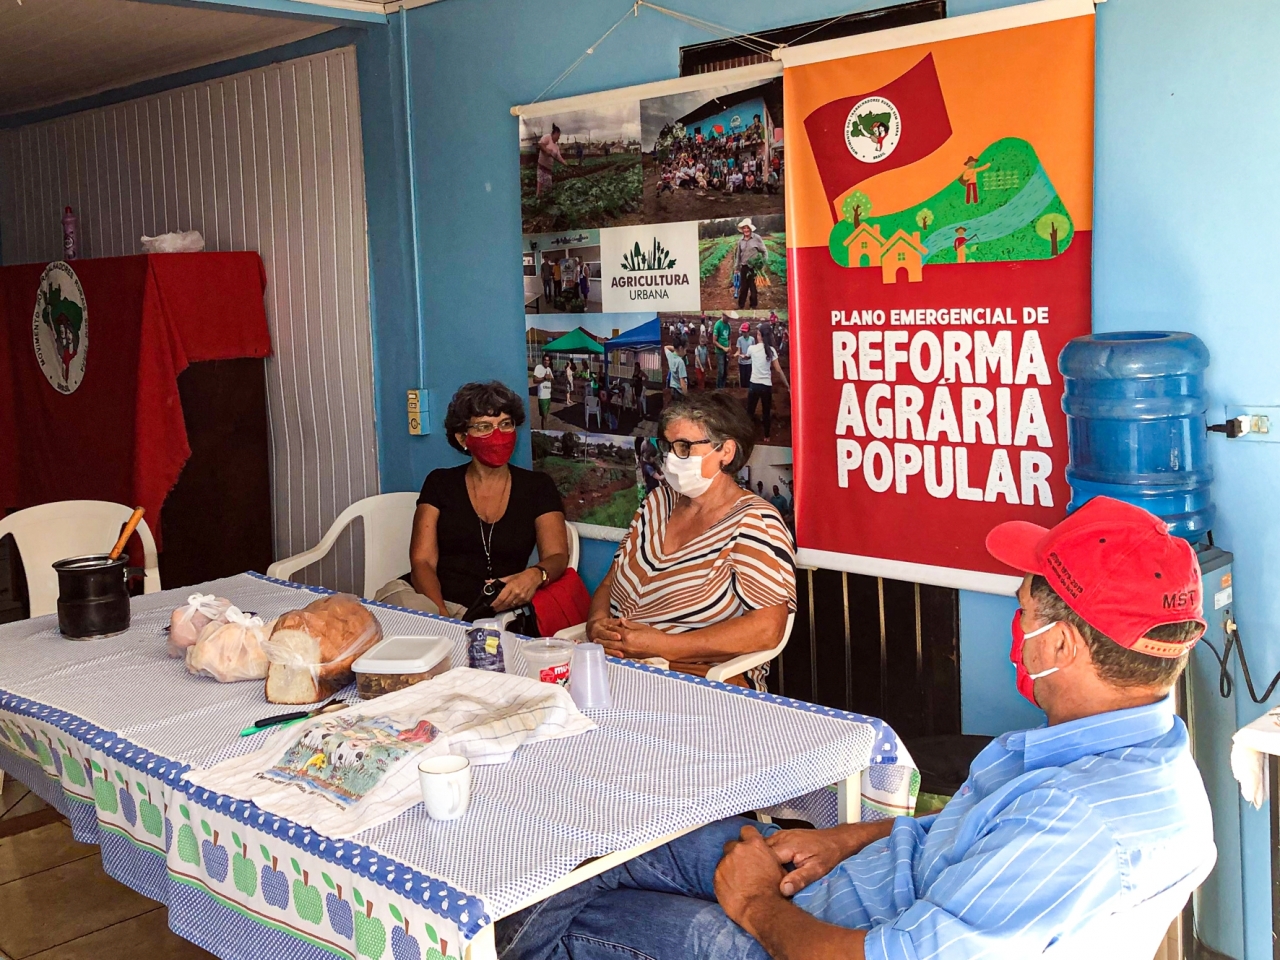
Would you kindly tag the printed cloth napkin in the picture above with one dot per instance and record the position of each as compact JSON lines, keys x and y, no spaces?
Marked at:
{"x":344,"y":772}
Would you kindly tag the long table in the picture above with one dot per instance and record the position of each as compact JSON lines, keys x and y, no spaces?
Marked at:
{"x":106,"y":730}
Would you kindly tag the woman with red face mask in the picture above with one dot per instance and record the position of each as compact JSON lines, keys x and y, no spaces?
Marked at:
{"x":478,"y":523}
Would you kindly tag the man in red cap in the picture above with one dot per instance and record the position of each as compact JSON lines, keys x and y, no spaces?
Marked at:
{"x":1079,"y":839}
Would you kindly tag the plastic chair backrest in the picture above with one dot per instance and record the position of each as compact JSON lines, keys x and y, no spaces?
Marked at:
{"x":575,"y":546}
{"x":71,"y":528}
{"x":1135,"y":932}
{"x":388,"y":527}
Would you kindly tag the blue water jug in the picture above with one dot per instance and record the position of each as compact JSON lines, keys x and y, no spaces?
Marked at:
{"x":1135,"y":408}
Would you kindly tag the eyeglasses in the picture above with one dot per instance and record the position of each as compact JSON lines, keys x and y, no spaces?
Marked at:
{"x":681,"y":448}
{"x":484,"y":428}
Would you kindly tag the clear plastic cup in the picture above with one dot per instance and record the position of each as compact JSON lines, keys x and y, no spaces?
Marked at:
{"x":589,"y":673}
{"x":548,"y":659}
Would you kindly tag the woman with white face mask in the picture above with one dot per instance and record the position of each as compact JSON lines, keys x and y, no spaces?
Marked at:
{"x":706,"y":572}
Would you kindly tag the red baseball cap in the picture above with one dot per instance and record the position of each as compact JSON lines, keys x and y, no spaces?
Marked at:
{"x":1115,"y":565}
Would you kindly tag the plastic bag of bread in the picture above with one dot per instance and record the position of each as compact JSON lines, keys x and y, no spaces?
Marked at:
{"x":188,"y":621}
{"x":311,"y":650}
{"x":230,"y":651}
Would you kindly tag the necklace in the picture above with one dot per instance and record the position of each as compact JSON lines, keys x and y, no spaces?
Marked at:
{"x":486,"y":541}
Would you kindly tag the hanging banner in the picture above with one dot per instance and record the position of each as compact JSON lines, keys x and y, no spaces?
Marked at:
{"x":654,"y":257}
{"x":939,"y":209}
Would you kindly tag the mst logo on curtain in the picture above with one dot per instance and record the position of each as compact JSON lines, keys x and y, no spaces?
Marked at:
{"x":939,"y":209}
{"x":60,"y":328}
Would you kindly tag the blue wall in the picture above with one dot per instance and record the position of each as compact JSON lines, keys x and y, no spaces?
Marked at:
{"x":1188,"y":128}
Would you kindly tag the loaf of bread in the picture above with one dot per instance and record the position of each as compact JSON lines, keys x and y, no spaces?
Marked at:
{"x":311,"y":650}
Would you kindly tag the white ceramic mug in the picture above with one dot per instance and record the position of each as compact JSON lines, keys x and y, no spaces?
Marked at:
{"x":446,"y":786}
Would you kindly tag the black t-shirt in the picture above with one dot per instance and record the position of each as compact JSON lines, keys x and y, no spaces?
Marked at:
{"x":461,"y":566}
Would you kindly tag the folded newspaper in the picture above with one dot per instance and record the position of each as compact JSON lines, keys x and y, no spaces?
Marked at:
{"x":340,"y":773}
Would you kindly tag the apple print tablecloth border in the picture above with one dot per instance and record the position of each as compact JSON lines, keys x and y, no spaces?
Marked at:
{"x":248,"y":869}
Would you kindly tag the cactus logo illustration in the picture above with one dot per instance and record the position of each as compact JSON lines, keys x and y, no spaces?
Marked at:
{"x":188,"y":849}
{"x":339,"y":910}
{"x":126,"y":800}
{"x":152,"y":821}
{"x":403,"y":946}
{"x":60,"y":328}
{"x":104,"y":793}
{"x":215,"y":856}
{"x":244,"y":870}
{"x":28,"y":740}
{"x":4,"y":732}
{"x":371,"y":935}
{"x":657,"y":257}
{"x":306,"y":898}
{"x":168,"y":834}
{"x":275,"y":885}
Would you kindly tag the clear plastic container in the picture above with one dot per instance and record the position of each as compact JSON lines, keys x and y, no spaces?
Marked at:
{"x":399,"y":662}
{"x":548,"y":659}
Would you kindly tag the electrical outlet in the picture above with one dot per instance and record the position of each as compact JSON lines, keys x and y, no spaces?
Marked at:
{"x":1264,"y":421}
{"x":419,"y":409}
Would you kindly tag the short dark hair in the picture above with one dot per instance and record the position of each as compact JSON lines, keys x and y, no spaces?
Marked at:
{"x":489,"y":398}
{"x":723,"y":417}
{"x":1116,"y":664}
{"x":555,"y":129}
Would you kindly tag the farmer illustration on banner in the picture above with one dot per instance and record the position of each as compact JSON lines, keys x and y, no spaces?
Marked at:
{"x":939,"y":208}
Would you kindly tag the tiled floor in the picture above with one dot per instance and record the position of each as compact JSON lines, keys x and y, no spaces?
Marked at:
{"x":56,"y":903}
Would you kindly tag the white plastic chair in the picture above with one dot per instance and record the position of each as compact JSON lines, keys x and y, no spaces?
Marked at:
{"x":721,"y":671}
{"x":593,"y":410}
{"x":1135,"y":932}
{"x":388,"y":525}
{"x":71,"y":528}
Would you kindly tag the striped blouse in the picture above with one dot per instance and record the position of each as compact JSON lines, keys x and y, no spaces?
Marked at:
{"x":743,"y":562}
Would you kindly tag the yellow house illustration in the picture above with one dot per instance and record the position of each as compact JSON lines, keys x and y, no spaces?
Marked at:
{"x":865,"y":244}
{"x":902,"y":251}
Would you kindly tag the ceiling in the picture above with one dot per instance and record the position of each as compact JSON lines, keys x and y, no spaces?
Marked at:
{"x":59,"y":50}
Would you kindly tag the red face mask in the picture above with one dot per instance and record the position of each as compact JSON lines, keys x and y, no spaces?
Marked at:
{"x":493,"y":450}
{"x":1025,"y":679}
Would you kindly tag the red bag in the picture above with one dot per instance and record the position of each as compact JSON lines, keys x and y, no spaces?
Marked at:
{"x":564,"y":603}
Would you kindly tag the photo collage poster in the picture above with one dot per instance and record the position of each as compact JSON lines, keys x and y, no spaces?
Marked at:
{"x":653,"y":228}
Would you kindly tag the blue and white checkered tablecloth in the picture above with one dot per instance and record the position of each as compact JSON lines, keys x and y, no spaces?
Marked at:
{"x":105,"y":730}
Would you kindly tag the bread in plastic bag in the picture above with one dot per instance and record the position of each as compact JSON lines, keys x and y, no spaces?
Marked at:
{"x":231,"y":651}
{"x":188,"y":621}
{"x":311,"y":650}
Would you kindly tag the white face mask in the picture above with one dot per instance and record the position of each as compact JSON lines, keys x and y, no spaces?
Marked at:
{"x":685,"y":476}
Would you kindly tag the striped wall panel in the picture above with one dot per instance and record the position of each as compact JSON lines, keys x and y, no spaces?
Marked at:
{"x":268,"y":160}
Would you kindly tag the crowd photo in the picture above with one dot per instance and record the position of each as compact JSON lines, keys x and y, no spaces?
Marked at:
{"x":744,"y":352}
{"x":713,"y":151}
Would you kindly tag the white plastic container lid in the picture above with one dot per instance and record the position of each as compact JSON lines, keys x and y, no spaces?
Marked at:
{"x":548,"y":651}
{"x":404,"y":654}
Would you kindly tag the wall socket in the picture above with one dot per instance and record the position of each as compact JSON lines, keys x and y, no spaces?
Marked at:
{"x":1264,"y":421}
{"x":419,"y":409}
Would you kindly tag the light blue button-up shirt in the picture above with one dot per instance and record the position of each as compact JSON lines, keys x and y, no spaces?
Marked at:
{"x":1054,"y":828}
